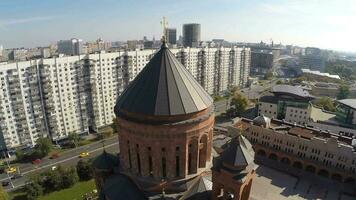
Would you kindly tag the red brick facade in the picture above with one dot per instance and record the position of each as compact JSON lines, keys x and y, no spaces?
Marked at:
{"x":224,"y":185}
{"x":169,"y":151}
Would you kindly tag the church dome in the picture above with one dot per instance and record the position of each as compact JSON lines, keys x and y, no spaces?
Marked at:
{"x":163,"y":88}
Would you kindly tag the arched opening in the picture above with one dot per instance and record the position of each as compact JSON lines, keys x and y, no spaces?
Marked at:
{"x":190,"y":170}
{"x":273,"y":156}
{"x":336,"y":177}
{"x":193,"y":156}
{"x":310,"y":168}
{"x":164,"y":169}
{"x":203,"y":151}
{"x":138,"y":163}
{"x":350,"y":180}
{"x":323,"y":173}
{"x":261,"y":152}
{"x":177,"y":166}
{"x":129,"y":152}
{"x":150,"y":170}
{"x":285,"y":160}
{"x":298,"y":165}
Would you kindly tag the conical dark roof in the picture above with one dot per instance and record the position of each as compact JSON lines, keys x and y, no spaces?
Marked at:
{"x":163,"y":88}
{"x":239,"y":153}
{"x":106,"y":161}
{"x":199,"y":189}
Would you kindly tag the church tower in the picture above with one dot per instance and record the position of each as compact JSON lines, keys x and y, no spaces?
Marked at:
{"x":165,"y":121}
{"x":233,"y":171}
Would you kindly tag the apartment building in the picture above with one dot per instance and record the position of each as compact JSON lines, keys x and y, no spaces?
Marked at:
{"x":76,"y":94}
{"x":300,"y":148}
{"x":21,"y":109}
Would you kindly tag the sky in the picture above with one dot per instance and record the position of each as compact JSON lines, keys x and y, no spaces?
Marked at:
{"x":327,"y":24}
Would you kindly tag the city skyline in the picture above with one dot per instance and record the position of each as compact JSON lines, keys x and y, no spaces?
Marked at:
{"x":304,"y":23}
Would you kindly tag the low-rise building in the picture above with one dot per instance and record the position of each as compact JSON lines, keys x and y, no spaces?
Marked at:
{"x":346,"y":111}
{"x":287,"y":102}
{"x":301,"y":148}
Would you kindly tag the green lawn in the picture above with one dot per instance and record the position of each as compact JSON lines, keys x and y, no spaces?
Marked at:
{"x":74,"y":193}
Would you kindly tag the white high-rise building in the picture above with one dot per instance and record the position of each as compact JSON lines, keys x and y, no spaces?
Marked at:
{"x":74,"y":94}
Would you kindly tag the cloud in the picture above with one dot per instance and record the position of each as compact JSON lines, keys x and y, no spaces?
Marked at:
{"x":9,"y":22}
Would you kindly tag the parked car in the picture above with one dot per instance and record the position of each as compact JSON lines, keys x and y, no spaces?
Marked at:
{"x":83,"y":154}
{"x":37,"y":161}
{"x":5,"y":183}
{"x":16,"y":176}
{"x":54,"y":156}
{"x":11,"y":170}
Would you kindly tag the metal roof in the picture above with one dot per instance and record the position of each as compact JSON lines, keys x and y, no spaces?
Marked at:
{"x":163,"y":88}
{"x":199,"y":190}
{"x":348,"y":102}
{"x":106,"y":161}
{"x":291,"y":90}
{"x":239,"y":153}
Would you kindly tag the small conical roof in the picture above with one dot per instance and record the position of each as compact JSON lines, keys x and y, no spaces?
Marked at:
{"x":239,"y":153}
{"x":200,"y":186}
{"x":163,"y":88}
{"x":106,"y":161}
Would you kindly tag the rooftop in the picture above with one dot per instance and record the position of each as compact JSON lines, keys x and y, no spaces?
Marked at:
{"x":305,"y":132}
{"x":290,"y":90}
{"x":348,"y":102}
{"x":163,"y":88}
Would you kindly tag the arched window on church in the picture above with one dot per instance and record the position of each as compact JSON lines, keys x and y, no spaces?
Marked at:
{"x":177,"y":162}
{"x":150,"y":168}
{"x":138,"y":159}
{"x":164,"y":170}
{"x":129,"y":152}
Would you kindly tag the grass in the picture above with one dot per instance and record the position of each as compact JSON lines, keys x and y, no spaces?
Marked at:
{"x":74,"y":193}
{"x":17,"y":195}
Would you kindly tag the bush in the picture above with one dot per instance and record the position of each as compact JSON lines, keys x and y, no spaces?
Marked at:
{"x":84,"y":170}
{"x":107,"y":133}
{"x":52,"y":180}
{"x":43,"y":146}
{"x":69,"y":177}
{"x":33,"y":190}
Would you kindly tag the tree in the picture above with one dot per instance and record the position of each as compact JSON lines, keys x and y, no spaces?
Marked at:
{"x":33,"y":190}
{"x":3,"y":194}
{"x":114,"y":126}
{"x":20,"y":155}
{"x":69,"y":177}
{"x":238,"y":105}
{"x":344,"y":91}
{"x":74,"y":139}
{"x":52,"y":180}
{"x":326,"y":103}
{"x":84,"y":170}
{"x":268,"y":75}
{"x":43,"y":146}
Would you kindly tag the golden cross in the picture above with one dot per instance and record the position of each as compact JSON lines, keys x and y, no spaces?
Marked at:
{"x":164,"y":24}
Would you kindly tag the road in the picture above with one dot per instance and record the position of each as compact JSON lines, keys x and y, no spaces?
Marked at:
{"x":67,"y":158}
{"x":71,"y":157}
{"x":256,"y":91}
